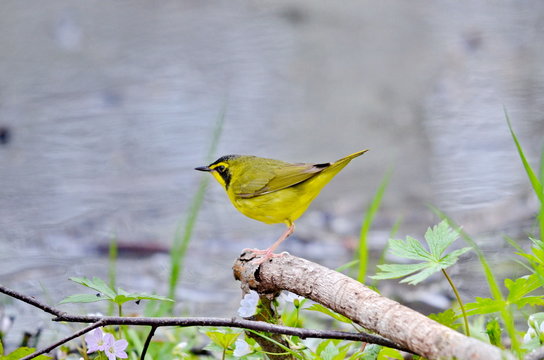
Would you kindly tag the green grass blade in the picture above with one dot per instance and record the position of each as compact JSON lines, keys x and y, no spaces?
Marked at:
{"x":365,"y":227}
{"x":269,"y":339}
{"x":185,"y":229}
{"x":514,"y":244}
{"x":112,"y":270}
{"x":535,"y":182}
{"x":381,"y":259}
{"x":347,"y":265}
{"x":541,"y":211}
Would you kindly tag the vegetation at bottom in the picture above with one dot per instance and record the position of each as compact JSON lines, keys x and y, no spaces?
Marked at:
{"x":508,"y":317}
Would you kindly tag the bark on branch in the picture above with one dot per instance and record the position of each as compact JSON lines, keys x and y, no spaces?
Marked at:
{"x":365,"y":307}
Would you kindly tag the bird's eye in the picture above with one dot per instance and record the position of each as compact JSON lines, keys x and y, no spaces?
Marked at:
{"x":220,"y":168}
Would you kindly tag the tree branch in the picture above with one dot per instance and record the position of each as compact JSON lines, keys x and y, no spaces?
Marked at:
{"x":147,"y":341}
{"x":30,"y":300}
{"x":155,"y":322}
{"x":63,"y":341}
{"x":348,"y":297}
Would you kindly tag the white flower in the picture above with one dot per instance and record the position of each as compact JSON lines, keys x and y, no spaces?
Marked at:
{"x":287,"y":296}
{"x":248,"y":305}
{"x":95,"y":341}
{"x":531,"y":333}
{"x":241,"y":347}
{"x":114,"y":348}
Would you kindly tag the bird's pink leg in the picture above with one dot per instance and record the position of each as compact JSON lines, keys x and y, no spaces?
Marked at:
{"x":269,"y":253}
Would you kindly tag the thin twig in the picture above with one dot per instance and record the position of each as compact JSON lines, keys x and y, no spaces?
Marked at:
{"x":233,"y":323}
{"x":65,"y":340}
{"x":32,"y":301}
{"x":98,"y":321}
{"x":147,"y":341}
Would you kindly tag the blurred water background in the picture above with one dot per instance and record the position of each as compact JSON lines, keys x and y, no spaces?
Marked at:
{"x":106,"y":108}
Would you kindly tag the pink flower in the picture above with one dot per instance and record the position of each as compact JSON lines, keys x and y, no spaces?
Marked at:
{"x":114,"y":348}
{"x":95,"y":341}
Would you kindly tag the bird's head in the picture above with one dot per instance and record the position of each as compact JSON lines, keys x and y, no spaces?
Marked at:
{"x":222,"y":169}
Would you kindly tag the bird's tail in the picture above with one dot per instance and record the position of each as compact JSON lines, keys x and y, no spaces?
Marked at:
{"x":348,"y":158}
{"x":339,"y":164}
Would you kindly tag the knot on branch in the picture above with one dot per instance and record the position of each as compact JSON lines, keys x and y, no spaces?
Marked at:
{"x":247,"y":271}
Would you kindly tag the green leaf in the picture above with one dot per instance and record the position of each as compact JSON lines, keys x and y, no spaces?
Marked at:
{"x":96,"y":284}
{"x":107,"y":293}
{"x":518,"y":288}
{"x":530,"y":301}
{"x":83,"y":298}
{"x":371,"y":352}
{"x":409,"y":249}
{"x":440,"y":237}
{"x":124,"y":296}
{"x":223,"y":339}
{"x":395,"y":271}
{"x":451,"y":258}
{"x":388,"y":354}
{"x":422,"y":275}
{"x":22,"y":352}
{"x":320,"y":308}
{"x":494,"y":332}
{"x":342,"y":352}
{"x":485,"y":306}
{"x":329,"y":352}
{"x":447,"y":318}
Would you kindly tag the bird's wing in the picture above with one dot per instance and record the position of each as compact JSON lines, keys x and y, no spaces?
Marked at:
{"x":278,"y":176}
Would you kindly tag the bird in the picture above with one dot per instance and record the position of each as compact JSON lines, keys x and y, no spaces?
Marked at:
{"x":273,"y":191}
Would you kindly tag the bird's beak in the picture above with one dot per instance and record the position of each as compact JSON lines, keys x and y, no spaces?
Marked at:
{"x":203,"y":168}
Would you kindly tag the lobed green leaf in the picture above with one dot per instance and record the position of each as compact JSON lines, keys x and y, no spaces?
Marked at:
{"x":222,"y":339}
{"x":22,"y":352}
{"x":451,"y":258}
{"x":494,"y":332}
{"x":395,"y":271}
{"x":422,"y":275}
{"x":322,"y":309}
{"x":124,"y":296}
{"x":83,"y":298}
{"x":485,"y":306}
{"x":409,"y":249}
{"x":96,"y":284}
{"x":439,"y":237}
{"x":447,"y":318}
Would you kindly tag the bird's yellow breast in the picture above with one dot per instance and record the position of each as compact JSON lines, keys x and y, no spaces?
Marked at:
{"x":283,"y":206}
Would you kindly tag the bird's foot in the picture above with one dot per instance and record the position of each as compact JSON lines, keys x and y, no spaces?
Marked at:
{"x":268,"y":254}
{"x":255,"y":251}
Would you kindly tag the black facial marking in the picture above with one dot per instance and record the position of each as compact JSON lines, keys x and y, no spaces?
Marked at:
{"x":225,"y":174}
{"x":225,"y":158}
{"x":324,"y":165}
{"x":222,"y":170}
